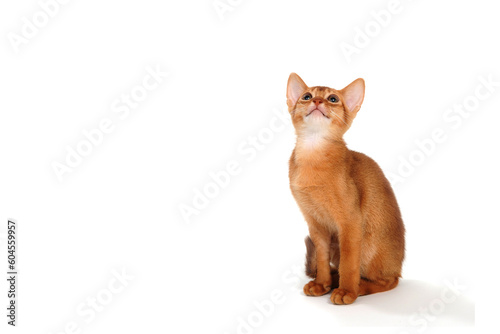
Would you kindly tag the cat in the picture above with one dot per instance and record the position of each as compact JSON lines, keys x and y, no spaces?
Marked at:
{"x":356,"y":241}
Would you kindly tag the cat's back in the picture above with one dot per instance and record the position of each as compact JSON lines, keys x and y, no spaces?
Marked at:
{"x":365,"y":170}
{"x":371,"y":182}
{"x":377,"y":199}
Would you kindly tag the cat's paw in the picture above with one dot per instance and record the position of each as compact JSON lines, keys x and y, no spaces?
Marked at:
{"x":343,"y":297}
{"x":315,"y":289}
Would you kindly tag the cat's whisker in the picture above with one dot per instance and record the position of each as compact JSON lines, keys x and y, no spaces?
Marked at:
{"x":332,"y":113}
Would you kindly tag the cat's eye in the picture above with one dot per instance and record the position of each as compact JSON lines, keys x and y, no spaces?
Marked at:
{"x":333,"y":98}
{"x":307,"y":96}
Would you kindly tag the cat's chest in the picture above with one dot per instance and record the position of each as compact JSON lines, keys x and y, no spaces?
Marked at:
{"x":315,"y":180}
{"x":312,"y":187}
{"x":312,"y":175}
{"x":308,"y":180}
{"x":314,"y":201}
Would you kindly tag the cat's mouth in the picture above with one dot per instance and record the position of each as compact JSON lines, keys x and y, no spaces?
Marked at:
{"x":317,"y":110}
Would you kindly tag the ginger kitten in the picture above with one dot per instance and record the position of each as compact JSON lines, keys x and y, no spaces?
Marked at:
{"x":356,"y":233}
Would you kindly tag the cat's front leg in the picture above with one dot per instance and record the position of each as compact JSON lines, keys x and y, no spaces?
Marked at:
{"x":321,"y":239}
{"x":350,"y":237}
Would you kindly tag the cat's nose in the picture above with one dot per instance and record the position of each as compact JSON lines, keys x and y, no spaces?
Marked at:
{"x":317,"y":100}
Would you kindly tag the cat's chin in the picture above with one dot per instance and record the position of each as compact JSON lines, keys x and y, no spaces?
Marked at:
{"x":317,"y":118}
{"x":316,"y":113}
{"x":317,"y":125}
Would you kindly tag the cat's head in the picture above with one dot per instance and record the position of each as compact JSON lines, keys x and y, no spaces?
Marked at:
{"x":322,"y":110}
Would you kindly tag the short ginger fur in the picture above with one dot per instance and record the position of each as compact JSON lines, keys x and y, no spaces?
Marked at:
{"x":356,"y":239}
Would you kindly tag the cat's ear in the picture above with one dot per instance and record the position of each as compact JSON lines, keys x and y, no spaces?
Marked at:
{"x":354,"y":94}
{"x":294,"y":89}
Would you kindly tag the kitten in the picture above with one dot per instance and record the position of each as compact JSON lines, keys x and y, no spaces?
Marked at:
{"x":356,"y":233}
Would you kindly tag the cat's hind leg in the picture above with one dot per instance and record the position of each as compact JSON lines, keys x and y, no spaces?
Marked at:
{"x":311,"y":262}
{"x":321,"y":239}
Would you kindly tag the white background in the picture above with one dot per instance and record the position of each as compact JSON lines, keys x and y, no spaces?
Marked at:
{"x":119,"y":208}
